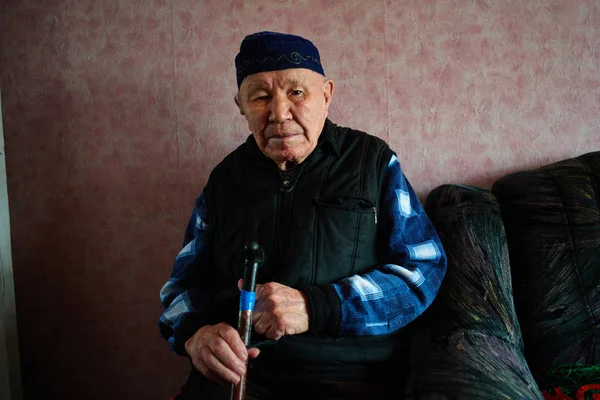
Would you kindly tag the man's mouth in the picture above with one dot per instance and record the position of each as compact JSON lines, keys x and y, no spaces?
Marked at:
{"x":282,"y":136}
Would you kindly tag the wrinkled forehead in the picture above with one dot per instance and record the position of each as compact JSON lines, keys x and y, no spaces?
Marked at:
{"x":281,"y":79}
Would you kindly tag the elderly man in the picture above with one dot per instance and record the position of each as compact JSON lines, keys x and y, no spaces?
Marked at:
{"x":351,"y":257}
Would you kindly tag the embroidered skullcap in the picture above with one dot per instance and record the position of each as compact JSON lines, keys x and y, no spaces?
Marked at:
{"x":273,"y":51}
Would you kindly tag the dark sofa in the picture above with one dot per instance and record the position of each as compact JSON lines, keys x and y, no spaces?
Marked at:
{"x":518,"y":314}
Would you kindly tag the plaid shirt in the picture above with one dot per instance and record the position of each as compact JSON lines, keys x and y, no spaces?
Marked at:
{"x":383,"y":300}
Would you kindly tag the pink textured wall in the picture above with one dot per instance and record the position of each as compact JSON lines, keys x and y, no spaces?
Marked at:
{"x":116,"y":111}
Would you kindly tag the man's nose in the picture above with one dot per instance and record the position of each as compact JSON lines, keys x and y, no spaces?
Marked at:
{"x":280,"y":109}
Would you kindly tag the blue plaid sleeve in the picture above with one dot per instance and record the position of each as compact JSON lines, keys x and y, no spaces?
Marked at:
{"x":412,"y":266}
{"x":183,"y":296}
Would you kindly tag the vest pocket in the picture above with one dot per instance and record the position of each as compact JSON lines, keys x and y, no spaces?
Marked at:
{"x":346,"y":230}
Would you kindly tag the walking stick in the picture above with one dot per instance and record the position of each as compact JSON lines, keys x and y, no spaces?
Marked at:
{"x":253,"y":259}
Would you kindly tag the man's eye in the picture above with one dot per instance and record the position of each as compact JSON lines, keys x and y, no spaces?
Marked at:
{"x":261,"y":97}
{"x":297,"y":92}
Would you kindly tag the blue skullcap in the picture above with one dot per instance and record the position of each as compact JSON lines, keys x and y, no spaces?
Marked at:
{"x":273,"y":51}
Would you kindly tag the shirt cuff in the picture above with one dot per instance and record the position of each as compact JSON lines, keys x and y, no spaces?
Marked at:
{"x":223,"y":311}
{"x":187,"y":328}
{"x":324,"y":308}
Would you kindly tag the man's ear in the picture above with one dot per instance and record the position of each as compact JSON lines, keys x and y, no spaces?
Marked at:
{"x":328,"y":92}
{"x":238,"y":103}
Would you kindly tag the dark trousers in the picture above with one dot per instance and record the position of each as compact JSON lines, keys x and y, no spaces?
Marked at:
{"x":267,"y":387}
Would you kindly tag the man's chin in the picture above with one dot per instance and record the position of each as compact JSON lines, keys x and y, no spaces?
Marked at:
{"x":281,"y":157}
{"x":285,"y":154}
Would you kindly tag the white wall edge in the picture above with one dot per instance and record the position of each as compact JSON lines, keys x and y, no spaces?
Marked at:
{"x":10,"y":365}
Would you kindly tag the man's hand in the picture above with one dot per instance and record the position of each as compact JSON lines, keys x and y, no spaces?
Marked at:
{"x":279,"y":310}
{"x":218,"y":352}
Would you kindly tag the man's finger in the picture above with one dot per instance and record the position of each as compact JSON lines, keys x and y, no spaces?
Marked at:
{"x":260,"y":326}
{"x":213,"y":376}
{"x":214,"y":364}
{"x":234,"y":342}
{"x":226,"y":350}
{"x":274,"y":333}
{"x":269,"y":328}
{"x":253,"y":352}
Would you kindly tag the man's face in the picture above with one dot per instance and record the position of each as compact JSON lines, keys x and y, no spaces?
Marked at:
{"x":286,"y":111}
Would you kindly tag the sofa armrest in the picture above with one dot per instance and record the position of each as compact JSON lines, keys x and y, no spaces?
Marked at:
{"x":475,"y":350}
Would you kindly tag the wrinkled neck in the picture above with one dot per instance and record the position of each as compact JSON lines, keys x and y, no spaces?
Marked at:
{"x":287,"y":165}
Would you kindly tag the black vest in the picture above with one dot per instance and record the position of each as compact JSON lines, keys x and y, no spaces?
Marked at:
{"x":317,"y":227}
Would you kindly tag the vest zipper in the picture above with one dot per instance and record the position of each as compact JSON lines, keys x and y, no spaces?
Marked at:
{"x":375,"y":214}
{"x":284,"y":218}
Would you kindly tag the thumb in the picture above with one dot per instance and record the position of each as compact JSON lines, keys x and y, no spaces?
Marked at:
{"x":253,"y":352}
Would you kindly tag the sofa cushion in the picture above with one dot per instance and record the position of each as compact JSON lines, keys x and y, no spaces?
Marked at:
{"x":552,"y":221}
{"x":573,"y":382}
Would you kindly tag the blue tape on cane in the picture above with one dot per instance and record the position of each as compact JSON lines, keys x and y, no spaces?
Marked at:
{"x":247,"y":300}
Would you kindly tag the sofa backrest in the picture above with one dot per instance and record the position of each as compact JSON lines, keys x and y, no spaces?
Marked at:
{"x":552,"y":221}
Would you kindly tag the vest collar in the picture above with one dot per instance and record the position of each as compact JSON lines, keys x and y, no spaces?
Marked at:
{"x":328,"y":139}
